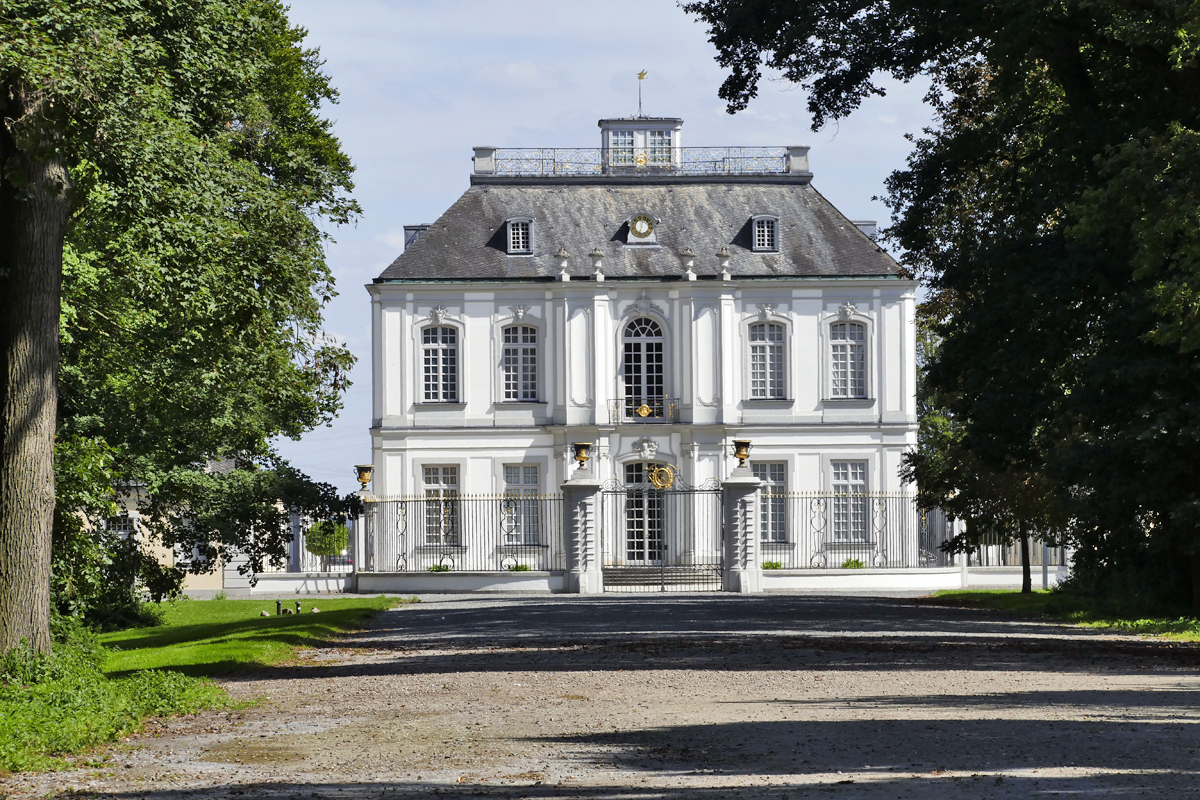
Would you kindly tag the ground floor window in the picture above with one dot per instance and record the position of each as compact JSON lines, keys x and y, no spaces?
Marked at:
{"x":772,"y":508}
{"x":441,"y":505}
{"x":521,"y":517}
{"x":849,"y":486}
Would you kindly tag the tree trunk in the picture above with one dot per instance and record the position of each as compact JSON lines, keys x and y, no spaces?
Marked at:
{"x":1026,"y":578}
{"x":33,"y":220}
{"x":1193,"y":560}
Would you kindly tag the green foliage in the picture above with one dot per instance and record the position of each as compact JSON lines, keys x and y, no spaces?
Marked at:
{"x":853,"y":563}
{"x":205,"y":638}
{"x":194,"y":279}
{"x":1052,"y":211}
{"x":327,"y":538}
{"x":772,"y":565}
{"x":55,"y":705}
{"x":1068,"y":606}
{"x":519,"y":568}
{"x":439,"y":568}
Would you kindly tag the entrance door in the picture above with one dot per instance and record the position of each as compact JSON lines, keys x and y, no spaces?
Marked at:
{"x":645,"y":517}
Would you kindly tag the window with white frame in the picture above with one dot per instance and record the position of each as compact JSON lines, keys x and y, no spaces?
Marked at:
{"x":440,"y":362}
{"x":766,"y":235}
{"x":520,"y":236}
{"x":849,"y":488}
{"x":848,"y":360}
{"x":521,"y":518}
{"x":644,"y":371}
{"x":123,"y":526}
{"x":772,"y":508}
{"x":767,"y":370}
{"x":621,"y":144}
{"x":519,"y":362}
{"x":660,"y":147}
{"x":441,"y":505}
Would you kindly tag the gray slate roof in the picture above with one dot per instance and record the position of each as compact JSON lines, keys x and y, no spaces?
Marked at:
{"x":468,"y":241}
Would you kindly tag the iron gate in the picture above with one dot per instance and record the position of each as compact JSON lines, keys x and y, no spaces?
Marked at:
{"x":658,"y":534}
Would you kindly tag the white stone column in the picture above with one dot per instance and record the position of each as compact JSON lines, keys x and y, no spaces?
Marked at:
{"x":581,"y":533}
{"x":743,"y":557}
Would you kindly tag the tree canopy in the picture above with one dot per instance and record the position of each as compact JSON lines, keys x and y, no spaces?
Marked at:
{"x":1052,"y":212}
{"x":185,"y":148}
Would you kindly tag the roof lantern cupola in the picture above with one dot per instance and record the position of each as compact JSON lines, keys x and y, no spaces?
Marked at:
{"x":640,"y":144}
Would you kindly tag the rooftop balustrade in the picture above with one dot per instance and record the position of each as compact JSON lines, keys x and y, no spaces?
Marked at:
{"x":595,"y":161}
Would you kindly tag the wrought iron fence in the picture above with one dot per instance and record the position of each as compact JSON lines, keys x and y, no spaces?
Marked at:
{"x":850,"y":531}
{"x":993,"y":552}
{"x":550,"y":161}
{"x":448,"y":533}
{"x":645,"y":409}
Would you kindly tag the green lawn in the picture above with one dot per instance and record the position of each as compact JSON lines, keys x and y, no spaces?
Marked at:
{"x":213,"y":637}
{"x":1068,"y":608}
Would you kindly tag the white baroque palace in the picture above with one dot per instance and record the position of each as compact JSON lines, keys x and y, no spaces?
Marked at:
{"x":655,"y":300}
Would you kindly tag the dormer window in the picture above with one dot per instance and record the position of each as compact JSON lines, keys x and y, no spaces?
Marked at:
{"x":766,"y":234}
{"x":660,"y":148}
{"x":520,"y":236}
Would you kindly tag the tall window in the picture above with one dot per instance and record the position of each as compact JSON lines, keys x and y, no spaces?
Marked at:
{"x":766,"y":361}
{"x":660,"y":147}
{"x":440,"y":346}
{"x":622,"y":147}
{"x":765,"y":237}
{"x":644,"y":378}
{"x":772,"y":509}
{"x":849,"y":486}
{"x":519,"y":239}
{"x":848,"y":373}
{"x":521,"y":520}
{"x":645,"y":515}
{"x":519,"y":362}
{"x":441,"y":506}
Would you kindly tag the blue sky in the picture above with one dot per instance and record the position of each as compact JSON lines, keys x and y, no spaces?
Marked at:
{"x":421,"y":83}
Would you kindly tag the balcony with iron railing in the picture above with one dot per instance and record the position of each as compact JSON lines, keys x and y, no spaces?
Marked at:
{"x":644,"y":409}
{"x":585,"y":161}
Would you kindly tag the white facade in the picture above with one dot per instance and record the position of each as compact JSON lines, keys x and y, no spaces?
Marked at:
{"x":579,"y":361}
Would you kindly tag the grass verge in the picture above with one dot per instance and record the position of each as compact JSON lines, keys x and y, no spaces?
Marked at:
{"x":1070,"y":608}
{"x":97,"y":689}
{"x":51,"y":706}
{"x":214,"y":637}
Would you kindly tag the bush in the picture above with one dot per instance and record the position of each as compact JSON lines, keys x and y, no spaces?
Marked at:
{"x":519,"y":568}
{"x":853,"y":563}
{"x":772,"y":565}
{"x":440,"y":568}
{"x":55,"y":705}
{"x":327,"y":538}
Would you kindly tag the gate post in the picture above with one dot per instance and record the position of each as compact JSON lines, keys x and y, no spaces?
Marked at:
{"x":743,"y":564}
{"x":581,"y":514}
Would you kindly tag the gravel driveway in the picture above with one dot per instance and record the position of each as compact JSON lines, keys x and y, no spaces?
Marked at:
{"x":686,"y":696}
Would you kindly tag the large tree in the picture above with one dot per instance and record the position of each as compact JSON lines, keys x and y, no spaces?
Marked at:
{"x":1052,"y":209}
{"x":176,"y":154}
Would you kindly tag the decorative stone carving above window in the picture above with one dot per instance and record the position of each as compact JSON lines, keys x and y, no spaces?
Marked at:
{"x":440,"y":314}
{"x":519,"y":312}
{"x":846,"y":311}
{"x":765,"y":310}
{"x":645,"y":448}
{"x":643,"y":305}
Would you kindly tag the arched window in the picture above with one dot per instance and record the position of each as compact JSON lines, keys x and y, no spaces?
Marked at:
{"x":440,"y":363}
{"x":848,"y":360}
{"x":767,"y":370}
{"x":519,"y":361}
{"x":645,"y":387}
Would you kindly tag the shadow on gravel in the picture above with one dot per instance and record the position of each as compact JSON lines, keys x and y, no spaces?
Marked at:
{"x":728,"y":633}
{"x":874,"y":788}
{"x":783,"y":747}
